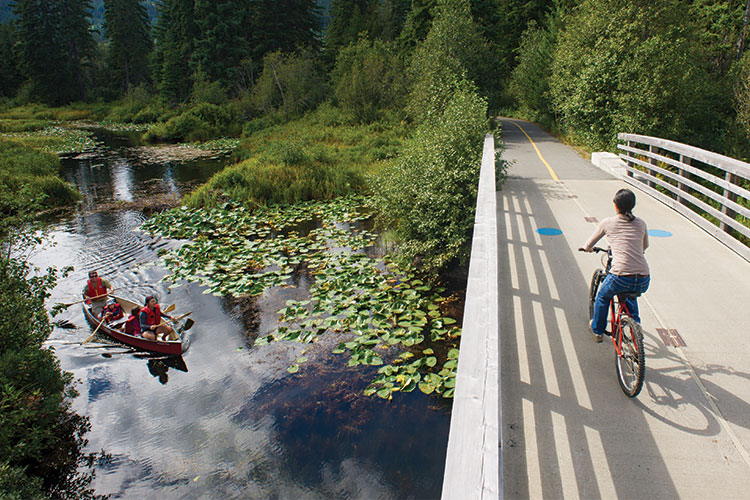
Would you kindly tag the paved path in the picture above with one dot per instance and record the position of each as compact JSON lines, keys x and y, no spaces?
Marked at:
{"x":567,"y":429}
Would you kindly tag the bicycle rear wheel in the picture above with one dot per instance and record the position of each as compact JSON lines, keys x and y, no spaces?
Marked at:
{"x":631,"y":363}
{"x":596,"y":279}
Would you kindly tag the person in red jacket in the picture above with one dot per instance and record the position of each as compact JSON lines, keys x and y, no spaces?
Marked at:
{"x":96,"y":290}
{"x":112,"y":311}
{"x":151,"y":320}
{"x":132,"y":325}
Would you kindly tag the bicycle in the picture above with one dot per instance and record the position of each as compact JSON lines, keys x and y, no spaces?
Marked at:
{"x":625,"y":332}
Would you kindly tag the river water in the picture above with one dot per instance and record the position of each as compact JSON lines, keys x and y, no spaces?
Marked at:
{"x":226,"y":420}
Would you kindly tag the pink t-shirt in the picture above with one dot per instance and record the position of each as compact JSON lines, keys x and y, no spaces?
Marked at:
{"x":628,"y":240}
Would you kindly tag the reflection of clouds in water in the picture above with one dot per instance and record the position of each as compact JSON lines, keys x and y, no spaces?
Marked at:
{"x":122,"y":180}
{"x":169,"y":180}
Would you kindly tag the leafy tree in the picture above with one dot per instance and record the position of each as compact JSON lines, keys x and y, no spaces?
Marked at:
{"x":222,"y":43}
{"x":289,"y":84}
{"x":389,"y":19}
{"x":41,"y":438}
{"x":429,"y":194}
{"x":175,"y":33}
{"x":127,"y":28}
{"x":632,"y":66}
{"x":720,"y":28}
{"x":512,"y":18}
{"x":368,"y":79}
{"x":529,"y":82}
{"x":454,"y":50}
{"x":417,"y":24}
{"x":55,"y":47}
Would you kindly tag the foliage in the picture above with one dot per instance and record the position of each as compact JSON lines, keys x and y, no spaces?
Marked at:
{"x":368,"y":80}
{"x":429,"y":193}
{"x":26,"y":173}
{"x":454,"y":50}
{"x":289,"y":84}
{"x":55,"y":46}
{"x":176,"y":32}
{"x":529,"y":82}
{"x":197,"y":123}
{"x":283,"y":26}
{"x":222,"y":41}
{"x":10,"y":72}
{"x":348,"y":19}
{"x":631,"y":66}
{"x":41,"y":438}
{"x":127,"y":28}
{"x":382,"y":309}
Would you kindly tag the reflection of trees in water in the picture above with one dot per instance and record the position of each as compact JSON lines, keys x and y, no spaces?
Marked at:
{"x":247,"y":312}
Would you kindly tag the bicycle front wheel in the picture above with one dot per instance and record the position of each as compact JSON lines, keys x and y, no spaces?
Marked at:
{"x":631,"y":360}
{"x":596,"y":279}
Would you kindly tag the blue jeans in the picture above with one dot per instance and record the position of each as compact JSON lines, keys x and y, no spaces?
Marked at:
{"x":610,"y":286}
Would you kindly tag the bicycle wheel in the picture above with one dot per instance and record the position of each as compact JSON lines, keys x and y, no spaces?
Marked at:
{"x":596,"y":279}
{"x":631,"y":363}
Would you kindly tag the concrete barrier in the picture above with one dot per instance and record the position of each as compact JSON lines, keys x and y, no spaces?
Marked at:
{"x":473,"y":463}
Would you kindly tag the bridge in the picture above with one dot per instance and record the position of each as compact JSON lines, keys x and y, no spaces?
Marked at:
{"x":538,"y":412}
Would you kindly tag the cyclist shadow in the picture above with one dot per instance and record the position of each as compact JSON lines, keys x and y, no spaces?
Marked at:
{"x":676,"y":399}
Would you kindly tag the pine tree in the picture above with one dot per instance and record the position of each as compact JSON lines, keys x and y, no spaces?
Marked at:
{"x":348,"y":18}
{"x":10,"y":75}
{"x":417,"y":24}
{"x":175,"y":33}
{"x":55,"y":47}
{"x":127,"y":28}
{"x":222,"y":43}
{"x":286,"y":25}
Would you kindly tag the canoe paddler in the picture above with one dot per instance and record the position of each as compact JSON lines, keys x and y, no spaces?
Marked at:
{"x":95,"y":292}
{"x":151,"y":320}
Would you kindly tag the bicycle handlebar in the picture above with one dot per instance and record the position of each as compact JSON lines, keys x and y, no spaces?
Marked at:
{"x":596,"y":249}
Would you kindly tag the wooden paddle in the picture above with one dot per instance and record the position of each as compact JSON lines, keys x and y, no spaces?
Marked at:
{"x":95,"y":330}
{"x":65,"y":306}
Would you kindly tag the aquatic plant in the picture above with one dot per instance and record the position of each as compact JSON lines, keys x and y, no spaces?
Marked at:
{"x":55,"y":139}
{"x":381,"y":308}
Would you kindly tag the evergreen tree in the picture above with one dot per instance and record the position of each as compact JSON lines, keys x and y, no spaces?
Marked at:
{"x":347,"y":19}
{"x":222,"y":43}
{"x":55,"y":47}
{"x":10,"y":75}
{"x":285,"y":25}
{"x":175,"y":35}
{"x":127,"y":28}
{"x":417,"y":24}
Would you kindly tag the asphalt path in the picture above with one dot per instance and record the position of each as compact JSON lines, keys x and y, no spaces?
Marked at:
{"x":568,"y":431}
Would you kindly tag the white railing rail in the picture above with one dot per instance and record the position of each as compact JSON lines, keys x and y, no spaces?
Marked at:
{"x":681,"y":176}
{"x":473,"y":462}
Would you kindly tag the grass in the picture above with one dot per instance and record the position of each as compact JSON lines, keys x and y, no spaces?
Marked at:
{"x":317,"y":157}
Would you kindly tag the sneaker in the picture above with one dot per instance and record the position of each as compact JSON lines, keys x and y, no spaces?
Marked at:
{"x":597,"y":337}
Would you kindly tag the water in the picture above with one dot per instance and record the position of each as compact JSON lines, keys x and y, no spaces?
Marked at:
{"x":226,"y":420}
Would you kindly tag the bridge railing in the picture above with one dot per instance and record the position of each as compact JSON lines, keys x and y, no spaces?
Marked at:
{"x":473,"y":463}
{"x":708,"y":188}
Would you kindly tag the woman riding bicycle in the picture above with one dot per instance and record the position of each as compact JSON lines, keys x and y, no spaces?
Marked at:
{"x":628,"y":240}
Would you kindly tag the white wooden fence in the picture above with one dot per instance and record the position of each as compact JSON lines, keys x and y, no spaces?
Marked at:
{"x":473,"y":462}
{"x":689,"y":181}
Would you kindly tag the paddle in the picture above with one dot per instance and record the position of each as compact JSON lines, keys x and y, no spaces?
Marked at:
{"x":61,"y":305}
{"x":95,"y":330}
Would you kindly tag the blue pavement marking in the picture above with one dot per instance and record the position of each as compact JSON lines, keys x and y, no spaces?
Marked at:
{"x":549,"y":231}
{"x":658,"y":233}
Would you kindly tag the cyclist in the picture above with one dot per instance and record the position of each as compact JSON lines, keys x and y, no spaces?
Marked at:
{"x":628,"y":239}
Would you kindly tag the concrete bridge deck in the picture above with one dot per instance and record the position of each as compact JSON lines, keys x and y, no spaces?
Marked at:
{"x":567,"y":429}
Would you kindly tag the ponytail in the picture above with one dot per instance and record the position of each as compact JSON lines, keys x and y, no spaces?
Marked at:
{"x":625,"y":202}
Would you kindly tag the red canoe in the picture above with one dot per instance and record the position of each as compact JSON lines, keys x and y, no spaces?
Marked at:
{"x":169,"y":347}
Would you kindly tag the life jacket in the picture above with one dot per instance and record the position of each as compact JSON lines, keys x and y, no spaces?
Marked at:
{"x":96,"y":288}
{"x":152,"y":317}
{"x":133,"y":326}
{"x":115,"y":311}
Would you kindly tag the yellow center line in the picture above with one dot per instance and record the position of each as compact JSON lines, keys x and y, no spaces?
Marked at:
{"x":539,"y":153}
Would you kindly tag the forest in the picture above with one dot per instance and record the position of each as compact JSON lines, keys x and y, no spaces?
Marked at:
{"x":388,"y":98}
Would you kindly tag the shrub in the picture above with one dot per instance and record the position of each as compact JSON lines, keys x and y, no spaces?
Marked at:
{"x":429,"y":193}
{"x":198,"y":123}
{"x":368,"y":79}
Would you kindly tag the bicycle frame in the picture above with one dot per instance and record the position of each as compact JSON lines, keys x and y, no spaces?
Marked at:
{"x":617,"y":310}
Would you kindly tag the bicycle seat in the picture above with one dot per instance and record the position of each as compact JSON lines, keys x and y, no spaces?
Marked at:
{"x":629,"y":295}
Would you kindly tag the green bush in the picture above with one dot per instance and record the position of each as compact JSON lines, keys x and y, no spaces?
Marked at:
{"x":198,"y":123}
{"x":429,"y":193}
{"x":632,"y":66}
{"x":289,"y":84}
{"x":368,"y":79}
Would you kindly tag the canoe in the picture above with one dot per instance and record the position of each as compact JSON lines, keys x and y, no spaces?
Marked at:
{"x":168,"y":347}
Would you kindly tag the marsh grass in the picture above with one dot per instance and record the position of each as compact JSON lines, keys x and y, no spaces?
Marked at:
{"x":26,"y":169}
{"x":318,"y":157}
